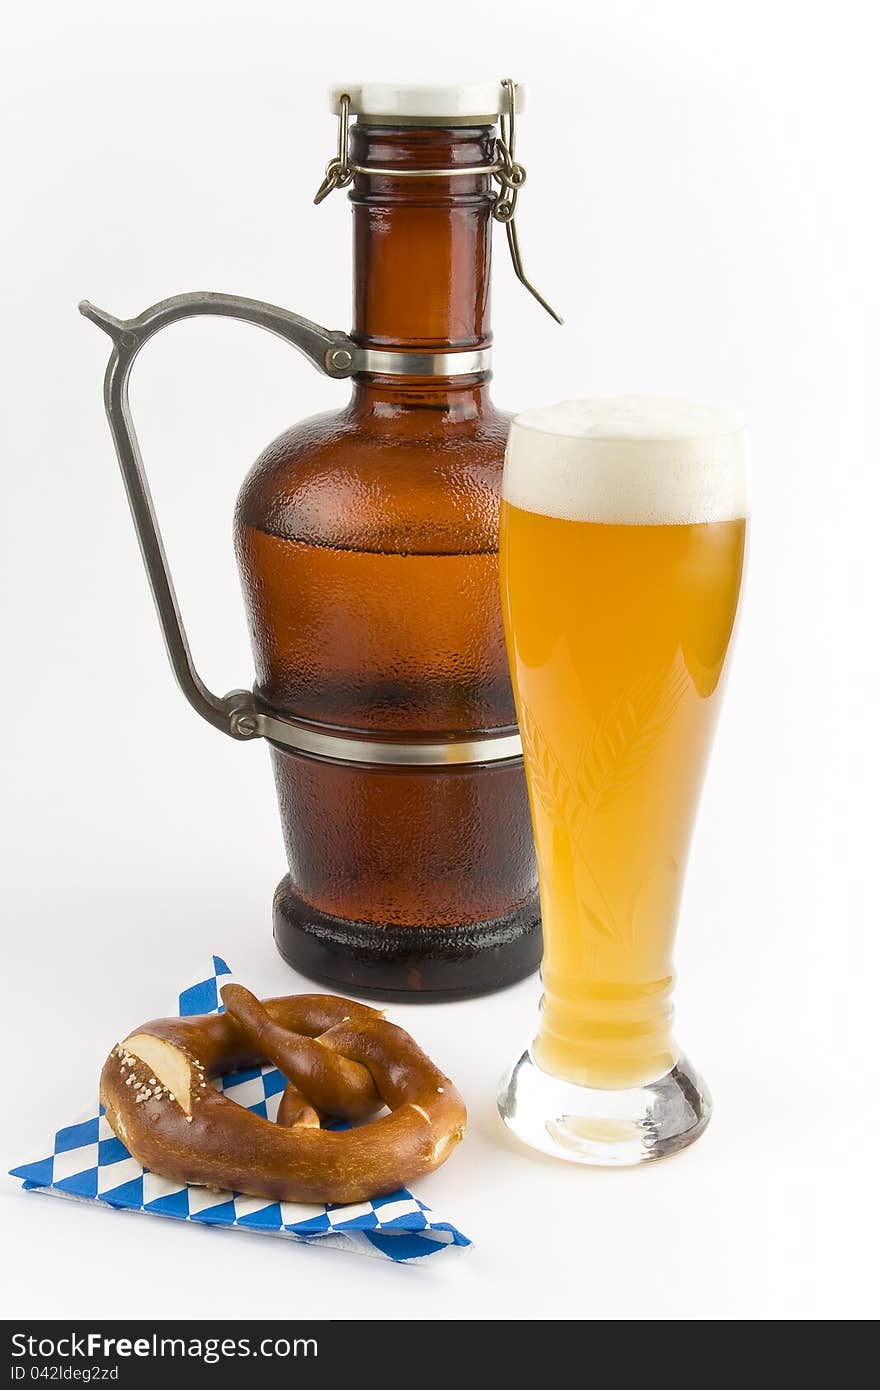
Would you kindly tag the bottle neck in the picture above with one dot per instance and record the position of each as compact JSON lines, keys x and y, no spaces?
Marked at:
{"x":422,"y":245}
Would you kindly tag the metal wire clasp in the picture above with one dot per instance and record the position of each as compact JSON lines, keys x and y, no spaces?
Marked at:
{"x":338,"y":172}
{"x":511,"y":177}
{"x":503,"y":167}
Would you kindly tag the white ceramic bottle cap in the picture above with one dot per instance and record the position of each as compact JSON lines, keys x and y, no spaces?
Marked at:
{"x":459,"y":104}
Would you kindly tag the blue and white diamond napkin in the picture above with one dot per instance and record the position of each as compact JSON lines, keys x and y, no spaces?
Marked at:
{"x":87,"y":1163}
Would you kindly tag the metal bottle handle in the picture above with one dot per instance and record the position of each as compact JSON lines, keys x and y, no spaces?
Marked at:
{"x":235,"y":713}
{"x":336,"y":355}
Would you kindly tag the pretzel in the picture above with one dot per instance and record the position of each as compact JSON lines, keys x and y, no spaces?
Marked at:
{"x":339,"y":1059}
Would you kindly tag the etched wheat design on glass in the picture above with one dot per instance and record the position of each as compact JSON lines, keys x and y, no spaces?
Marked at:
{"x":614,"y":753}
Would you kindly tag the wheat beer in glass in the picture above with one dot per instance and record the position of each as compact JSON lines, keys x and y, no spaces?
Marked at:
{"x":623,"y":528}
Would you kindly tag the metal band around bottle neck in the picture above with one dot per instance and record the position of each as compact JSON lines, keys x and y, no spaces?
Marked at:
{"x":385,"y":362}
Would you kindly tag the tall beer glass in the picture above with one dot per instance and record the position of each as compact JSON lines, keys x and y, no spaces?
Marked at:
{"x":623,"y":528}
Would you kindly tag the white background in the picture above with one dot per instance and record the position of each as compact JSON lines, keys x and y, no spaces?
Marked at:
{"x":700,"y":206}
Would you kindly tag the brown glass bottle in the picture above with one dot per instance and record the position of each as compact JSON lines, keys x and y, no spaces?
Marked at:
{"x":367,"y":541}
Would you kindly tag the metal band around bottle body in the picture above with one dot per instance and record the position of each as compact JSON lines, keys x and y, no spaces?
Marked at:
{"x":348,"y":748}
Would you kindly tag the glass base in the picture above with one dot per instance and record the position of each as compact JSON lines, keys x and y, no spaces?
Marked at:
{"x":585,"y":1125}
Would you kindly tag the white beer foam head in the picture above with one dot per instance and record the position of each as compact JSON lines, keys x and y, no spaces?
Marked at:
{"x":628,"y":460}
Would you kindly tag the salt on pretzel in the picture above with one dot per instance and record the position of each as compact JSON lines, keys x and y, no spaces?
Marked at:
{"x":339,"y":1058}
